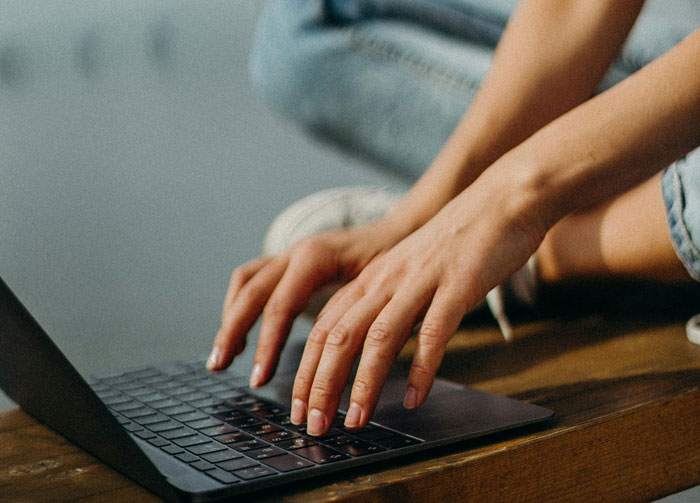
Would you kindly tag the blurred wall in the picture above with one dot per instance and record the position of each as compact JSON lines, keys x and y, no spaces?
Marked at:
{"x":137,"y":168}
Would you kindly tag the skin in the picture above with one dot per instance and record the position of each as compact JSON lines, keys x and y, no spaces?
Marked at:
{"x":534,"y":165}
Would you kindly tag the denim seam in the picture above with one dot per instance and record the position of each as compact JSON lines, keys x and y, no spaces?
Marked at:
{"x":682,"y":243}
{"x":387,"y":51}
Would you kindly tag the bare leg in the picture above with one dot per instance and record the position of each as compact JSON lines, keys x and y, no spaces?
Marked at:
{"x":625,"y":237}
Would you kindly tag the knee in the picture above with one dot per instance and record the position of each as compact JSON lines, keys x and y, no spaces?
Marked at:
{"x":286,"y":59}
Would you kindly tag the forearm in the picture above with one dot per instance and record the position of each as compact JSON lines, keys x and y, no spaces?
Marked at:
{"x":551,"y":57}
{"x":611,"y":142}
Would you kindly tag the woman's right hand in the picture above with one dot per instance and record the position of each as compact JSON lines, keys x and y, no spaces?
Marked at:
{"x":280,"y":286}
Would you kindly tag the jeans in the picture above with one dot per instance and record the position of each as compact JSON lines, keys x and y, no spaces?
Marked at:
{"x":389,"y":79}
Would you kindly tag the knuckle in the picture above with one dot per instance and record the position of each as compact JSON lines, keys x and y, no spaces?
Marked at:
{"x":317,"y":336}
{"x":362,"y":387}
{"x":379,"y":334}
{"x":275,"y":309}
{"x":310,"y":246}
{"x":321,"y":391}
{"x":430,"y":335}
{"x":338,"y":336}
{"x":421,"y":372}
{"x":302,"y":381}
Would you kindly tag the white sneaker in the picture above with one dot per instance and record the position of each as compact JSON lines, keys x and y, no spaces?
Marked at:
{"x":345,"y":207}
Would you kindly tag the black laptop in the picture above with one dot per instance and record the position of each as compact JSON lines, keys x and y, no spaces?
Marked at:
{"x":190,"y":435}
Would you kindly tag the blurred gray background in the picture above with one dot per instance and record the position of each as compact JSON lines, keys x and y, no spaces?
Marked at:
{"x":137,"y":168}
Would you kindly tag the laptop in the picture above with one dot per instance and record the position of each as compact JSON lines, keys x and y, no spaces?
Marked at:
{"x":190,"y":435}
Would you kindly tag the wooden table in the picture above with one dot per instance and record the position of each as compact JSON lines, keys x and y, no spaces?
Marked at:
{"x":625,"y":387}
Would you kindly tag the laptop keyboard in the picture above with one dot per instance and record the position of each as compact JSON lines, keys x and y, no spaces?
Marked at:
{"x":213,"y":423}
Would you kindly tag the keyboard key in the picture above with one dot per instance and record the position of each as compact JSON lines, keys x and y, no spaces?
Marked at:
{"x":142,"y":391}
{"x":158,"y":442}
{"x":165,"y":386}
{"x":219,"y":456}
{"x":321,"y":454}
{"x":200,"y":449}
{"x":129,"y":386}
{"x":165,"y":425}
{"x":245,"y":421}
{"x":282,"y":420}
{"x":145,"y":434}
{"x":270,"y":412}
{"x":219,"y":408}
{"x":190,"y":416}
{"x":132,"y":427}
{"x":234,"y":437}
{"x":182,"y":390}
{"x":172,"y":449}
{"x":121,"y":419}
{"x":204,"y":402}
{"x":278,"y":436}
{"x":237,"y":464}
{"x":240,"y":399}
{"x":139,"y":412}
{"x":254,"y":472}
{"x":194,"y":395}
{"x":156,"y":379}
{"x":287,"y":463}
{"x":176,"y":409}
{"x":296,"y":443}
{"x":230,"y":415}
{"x":261,"y":429}
{"x":202,"y":466}
{"x":150,"y":420}
{"x":248,"y":445}
{"x":255,"y":405}
{"x":127,"y":405}
{"x":218,"y":430}
{"x":204,"y":423}
{"x":360,"y":448}
{"x":191,"y":440}
{"x":153,"y":397}
{"x":396,"y":441}
{"x":177,"y":433}
{"x":333,"y":432}
{"x":164,"y":404}
{"x":265,"y":452}
{"x":187,"y":457}
{"x":222,"y":476}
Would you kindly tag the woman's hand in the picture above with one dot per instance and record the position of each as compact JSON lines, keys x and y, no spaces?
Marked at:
{"x":436,"y":275}
{"x":280,"y":286}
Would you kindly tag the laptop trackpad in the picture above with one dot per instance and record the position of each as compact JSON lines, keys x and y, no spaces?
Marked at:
{"x":450,"y":411}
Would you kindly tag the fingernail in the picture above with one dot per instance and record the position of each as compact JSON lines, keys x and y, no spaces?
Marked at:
{"x":255,"y":376}
{"x":298,"y":413}
{"x":354,"y":416}
{"x":411,"y":399}
{"x":316,"y":422}
{"x":214,"y":359}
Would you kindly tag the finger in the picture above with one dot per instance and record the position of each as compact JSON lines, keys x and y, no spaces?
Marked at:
{"x":314,"y":348}
{"x":240,"y":276}
{"x":384,"y":339}
{"x":440,"y":323}
{"x":340,"y":350}
{"x":308,"y":269}
{"x":243,"y":312}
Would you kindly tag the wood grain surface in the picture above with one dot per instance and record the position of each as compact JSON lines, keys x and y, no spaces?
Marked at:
{"x":623,"y":381}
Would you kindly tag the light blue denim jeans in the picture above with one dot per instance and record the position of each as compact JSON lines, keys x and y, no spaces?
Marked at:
{"x":390,"y":79}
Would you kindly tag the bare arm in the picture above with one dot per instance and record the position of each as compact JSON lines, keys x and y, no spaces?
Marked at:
{"x":551,"y":57}
{"x":600,"y":148}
